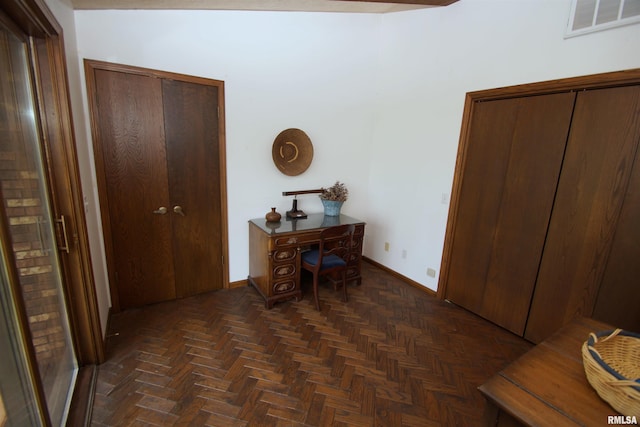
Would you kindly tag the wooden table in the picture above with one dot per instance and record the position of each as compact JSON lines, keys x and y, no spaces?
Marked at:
{"x":547,"y":386}
{"x":275,"y":248}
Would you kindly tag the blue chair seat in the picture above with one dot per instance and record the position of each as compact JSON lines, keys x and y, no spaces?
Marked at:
{"x":328,"y":261}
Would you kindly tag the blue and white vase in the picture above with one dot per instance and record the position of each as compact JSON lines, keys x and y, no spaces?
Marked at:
{"x":332,"y":207}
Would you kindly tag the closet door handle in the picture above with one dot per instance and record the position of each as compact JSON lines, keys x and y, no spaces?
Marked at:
{"x":178,"y":209}
{"x":160,"y":211}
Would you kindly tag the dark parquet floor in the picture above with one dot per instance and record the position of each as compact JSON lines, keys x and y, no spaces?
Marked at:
{"x":392,"y":356}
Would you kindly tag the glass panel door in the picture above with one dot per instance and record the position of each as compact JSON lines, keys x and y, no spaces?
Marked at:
{"x":18,"y":405}
{"x":28,"y":216}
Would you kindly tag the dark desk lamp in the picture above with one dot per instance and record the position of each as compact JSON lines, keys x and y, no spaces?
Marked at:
{"x":295,"y":213}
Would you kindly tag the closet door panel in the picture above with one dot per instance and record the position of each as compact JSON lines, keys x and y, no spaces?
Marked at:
{"x":534,"y":164}
{"x":513,"y":161}
{"x":191,"y":128}
{"x":604,"y":136}
{"x":619,"y":296}
{"x":130,"y":122}
{"x":488,"y":144}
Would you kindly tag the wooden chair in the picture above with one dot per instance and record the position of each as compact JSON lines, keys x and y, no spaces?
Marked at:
{"x":330,"y":257}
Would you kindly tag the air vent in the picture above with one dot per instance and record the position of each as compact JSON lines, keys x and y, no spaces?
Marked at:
{"x":588,"y":16}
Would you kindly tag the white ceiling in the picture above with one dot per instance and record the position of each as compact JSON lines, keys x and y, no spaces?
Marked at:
{"x":375,"y":6}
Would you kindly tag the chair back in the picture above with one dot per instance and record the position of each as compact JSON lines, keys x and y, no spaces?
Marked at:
{"x":336,"y":240}
{"x":332,"y":256}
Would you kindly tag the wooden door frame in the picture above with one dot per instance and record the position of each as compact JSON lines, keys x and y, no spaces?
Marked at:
{"x":594,"y":81}
{"x":52,"y":98}
{"x":90,"y":66}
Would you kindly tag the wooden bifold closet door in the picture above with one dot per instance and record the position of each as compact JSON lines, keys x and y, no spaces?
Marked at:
{"x":541,"y":228}
{"x":158,"y":164}
{"x":601,"y":155}
{"x":513,"y":162}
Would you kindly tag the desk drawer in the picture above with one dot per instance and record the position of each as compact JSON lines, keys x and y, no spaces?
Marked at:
{"x":285,"y":254}
{"x":297,"y":240}
{"x":283,"y":270}
{"x":283,"y":286}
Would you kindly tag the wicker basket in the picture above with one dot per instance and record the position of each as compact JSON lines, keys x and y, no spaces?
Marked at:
{"x":612,"y":365}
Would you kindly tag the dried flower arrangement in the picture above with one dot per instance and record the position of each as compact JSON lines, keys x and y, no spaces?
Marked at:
{"x":337,"y":192}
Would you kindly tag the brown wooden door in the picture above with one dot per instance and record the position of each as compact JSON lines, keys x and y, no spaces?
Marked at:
{"x":511,"y":167}
{"x":619,"y":294}
{"x":130,"y":123}
{"x":191,"y":127}
{"x":158,"y":151}
{"x":598,"y":164}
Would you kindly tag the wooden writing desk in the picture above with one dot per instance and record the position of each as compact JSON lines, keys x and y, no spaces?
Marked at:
{"x":274,"y":253}
{"x":547,"y":386}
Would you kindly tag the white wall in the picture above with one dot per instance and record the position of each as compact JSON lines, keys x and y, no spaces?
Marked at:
{"x":381,"y":97}
{"x":281,"y":70}
{"x":430,"y":59}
